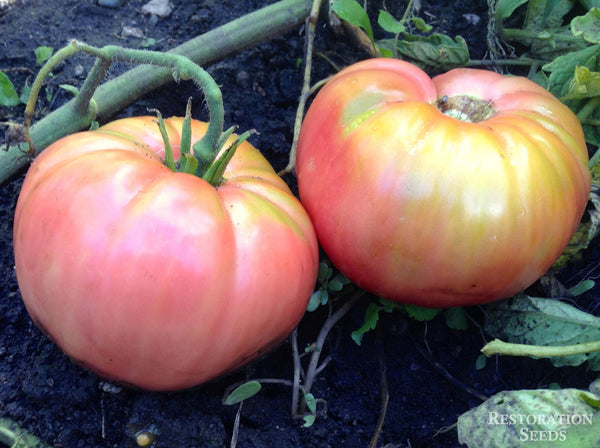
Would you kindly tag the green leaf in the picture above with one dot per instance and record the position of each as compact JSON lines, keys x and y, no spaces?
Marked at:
{"x":481,"y":362}
{"x":388,"y":305}
{"x":584,"y":84}
{"x":69,"y":88}
{"x":421,"y":314}
{"x":565,"y":418}
{"x":505,"y":8}
{"x":544,"y":322}
{"x":589,"y":4}
{"x":150,"y":41}
{"x":588,"y":230}
{"x":309,"y":420}
{"x":318,"y":298}
{"x":420,"y":24}
{"x":325,"y":272}
{"x":389,"y":23}
{"x":456,"y":318}
{"x":42,"y":54}
{"x":560,"y":73}
{"x":242,"y":392}
{"x":24,"y":97}
{"x":8,"y":94}
{"x":581,"y":287}
{"x":338,"y":282}
{"x":436,"y":51}
{"x":353,"y":13}
{"x":587,"y":26}
{"x":370,"y":322}
{"x":311,"y":403}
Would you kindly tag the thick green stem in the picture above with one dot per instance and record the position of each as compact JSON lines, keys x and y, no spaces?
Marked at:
{"x":512,"y":34}
{"x":589,"y":107}
{"x":83,"y":101}
{"x":498,"y":347}
{"x":56,"y":58}
{"x":182,"y":69}
{"x":113,"y":96}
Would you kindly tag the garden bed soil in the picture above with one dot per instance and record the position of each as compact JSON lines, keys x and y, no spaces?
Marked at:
{"x":430,"y":370}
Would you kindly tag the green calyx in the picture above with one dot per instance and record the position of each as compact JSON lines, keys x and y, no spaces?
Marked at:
{"x":199,"y":160}
{"x":465,"y":108}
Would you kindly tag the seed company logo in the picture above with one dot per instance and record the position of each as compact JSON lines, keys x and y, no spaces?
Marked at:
{"x":532,"y":427}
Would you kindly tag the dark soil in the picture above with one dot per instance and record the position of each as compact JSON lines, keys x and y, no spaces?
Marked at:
{"x":430,"y":369}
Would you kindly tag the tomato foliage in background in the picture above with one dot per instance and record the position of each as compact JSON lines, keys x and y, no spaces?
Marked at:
{"x":157,"y":278}
{"x":456,"y":190}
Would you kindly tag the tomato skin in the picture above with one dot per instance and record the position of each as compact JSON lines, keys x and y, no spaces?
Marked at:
{"x":153,"y":278}
{"x":424,"y":208}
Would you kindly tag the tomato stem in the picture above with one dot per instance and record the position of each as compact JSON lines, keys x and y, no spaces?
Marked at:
{"x":183,"y":69}
{"x":498,"y":347}
{"x":590,"y":106}
{"x":466,"y":108}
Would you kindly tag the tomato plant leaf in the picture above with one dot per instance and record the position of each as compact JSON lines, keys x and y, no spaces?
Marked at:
{"x":558,"y":79}
{"x":42,"y":54}
{"x":8,"y":94}
{"x":353,"y":13}
{"x":584,"y":84}
{"x":309,"y":420}
{"x":325,"y":272}
{"x":338,"y":282}
{"x":557,"y":418}
{"x":589,"y":4}
{"x":318,"y":298}
{"x":389,"y":23}
{"x":421,"y":314}
{"x":587,"y":230}
{"x":242,"y":392}
{"x":311,"y":402}
{"x":505,"y":8}
{"x":582,"y":287}
{"x":456,"y":318}
{"x":436,"y":51}
{"x":544,"y":29}
{"x":544,"y":322}
{"x":370,"y":322}
{"x":587,"y":26}
{"x":481,"y":362}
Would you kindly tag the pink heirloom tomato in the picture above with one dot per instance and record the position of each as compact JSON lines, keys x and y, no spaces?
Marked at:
{"x":156,"y":278}
{"x":456,"y":190}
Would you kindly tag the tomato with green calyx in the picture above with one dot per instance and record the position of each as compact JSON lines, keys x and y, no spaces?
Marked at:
{"x":456,"y":190}
{"x":156,"y":278}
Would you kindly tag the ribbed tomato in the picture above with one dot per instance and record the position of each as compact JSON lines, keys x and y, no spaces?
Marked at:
{"x":152,"y":277}
{"x":456,"y":190}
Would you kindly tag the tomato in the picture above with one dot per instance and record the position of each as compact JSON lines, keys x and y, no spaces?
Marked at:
{"x":456,"y":190}
{"x":156,"y":278}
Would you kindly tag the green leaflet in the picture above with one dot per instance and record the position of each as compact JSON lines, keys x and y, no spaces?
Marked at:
{"x":8,"y":94}
{"x":524,"y":418}
{"x":573,"y":78}
{"x":587,"y":26}
{"x":436,"y":51}
{"x":544,"y":322}
{"x":242,"y":392}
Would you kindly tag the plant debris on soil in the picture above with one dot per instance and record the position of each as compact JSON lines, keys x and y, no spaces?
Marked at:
{"x":429,"y":370}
